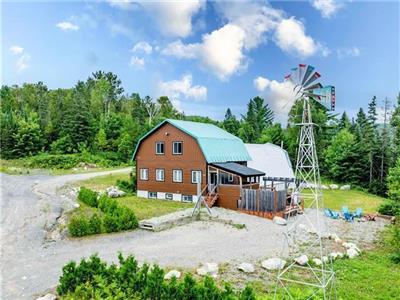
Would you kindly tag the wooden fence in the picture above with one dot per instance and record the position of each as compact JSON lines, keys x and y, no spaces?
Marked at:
{"x":264,"y":203}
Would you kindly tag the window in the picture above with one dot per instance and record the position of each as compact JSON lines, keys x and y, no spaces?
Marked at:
{"x":160,"y":148}
{"x":144,"y":174}
{"x":177,"y":175}
{"x":177,"y":148}
{"x":159,"y":174}
{"x":187,"y":198}
{"x":195,"y":175}
{"x":230,"y":177}
{"x":168,"y":196}
{"x":153,"y":195}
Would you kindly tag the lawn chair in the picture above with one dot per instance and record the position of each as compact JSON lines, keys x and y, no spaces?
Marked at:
{"x":331,"y":214}
{"x":348,"y":217}
{"x":345,"y":209}
{"x":358,"y":213}
{"x":327,"y":213}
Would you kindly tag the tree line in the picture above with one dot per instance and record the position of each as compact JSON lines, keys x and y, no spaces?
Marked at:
{"x":97,"y":116}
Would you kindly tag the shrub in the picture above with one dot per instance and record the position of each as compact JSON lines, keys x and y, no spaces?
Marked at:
{"x":88,"y":196}
{"x":127,"y":186}
{"x":95,"y":224}
{"x":126,"y":218}
{"x":390,"y":208}
{"x":79,"y":226}
{"x":106,"y":204}
{"x":394,"y":241}
{"x":111,"y":223}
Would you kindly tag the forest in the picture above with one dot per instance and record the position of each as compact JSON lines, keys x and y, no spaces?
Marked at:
{"x":98,"y":119}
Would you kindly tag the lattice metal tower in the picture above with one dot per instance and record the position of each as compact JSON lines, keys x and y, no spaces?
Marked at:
{"x":306,"y":230}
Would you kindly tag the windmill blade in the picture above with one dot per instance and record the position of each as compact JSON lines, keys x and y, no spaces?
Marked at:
{"x":326,"y":96}
{"x":314,"y":77}
{"x":307,"y":74}
{"x":302,"y":70}
{"x":314,"y":86}
{"x":295,"y":74}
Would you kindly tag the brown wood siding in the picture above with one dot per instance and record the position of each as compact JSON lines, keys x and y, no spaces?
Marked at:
{"x":228,"y":196}
{"x":192,"y":158}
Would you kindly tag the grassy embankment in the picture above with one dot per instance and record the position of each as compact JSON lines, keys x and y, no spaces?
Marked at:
{"x":143,"y":208}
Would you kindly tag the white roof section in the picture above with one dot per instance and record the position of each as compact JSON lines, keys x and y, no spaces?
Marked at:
{"x":270,"y":159}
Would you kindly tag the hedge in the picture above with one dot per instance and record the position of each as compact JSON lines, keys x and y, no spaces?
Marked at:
{"x":88,"y":196}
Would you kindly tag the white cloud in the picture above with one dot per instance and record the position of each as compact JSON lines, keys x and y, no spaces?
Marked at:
{"x":327,"y":8}
{"x":174,"y":18}
{"x":348,"y":52}
{"x":142,"y":47}
{"x":279,"y":95}
{"x":290,"y":37}
{"x":22,"y":62}
{"x":137,"y":62}
{"x":120,"y":29}
{"x":67,"y":26}
{"x":180,"y":50}
{"x":183,"y":88}
{"x":122,"y":4}
{"x":16,"y":50}
{"x":261,"y":83}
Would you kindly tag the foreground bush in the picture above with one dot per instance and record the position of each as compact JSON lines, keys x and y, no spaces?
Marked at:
{"x":94,"y":279}
{"x":88,"y":196}
{"x":390,"y":208}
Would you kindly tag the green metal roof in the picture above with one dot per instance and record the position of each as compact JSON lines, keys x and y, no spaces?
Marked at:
{"x":217,"y":144}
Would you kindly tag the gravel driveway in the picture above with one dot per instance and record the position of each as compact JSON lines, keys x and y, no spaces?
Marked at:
{"x":30,"y":265}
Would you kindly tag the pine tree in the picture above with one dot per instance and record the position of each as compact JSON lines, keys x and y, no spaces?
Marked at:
{"x":28,"y":137}
{"x":344,"y":122}
{"x":230,"y":123}
{"x":395,"y":123}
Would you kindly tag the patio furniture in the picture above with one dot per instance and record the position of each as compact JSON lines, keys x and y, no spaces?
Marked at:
{"x":358,"y":213}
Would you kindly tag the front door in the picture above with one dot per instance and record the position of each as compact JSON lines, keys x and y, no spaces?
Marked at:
{"x":213,"y":181}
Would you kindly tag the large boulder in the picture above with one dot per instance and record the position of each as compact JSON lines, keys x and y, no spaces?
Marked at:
{"x":279,"y":221}
{"x":114,"y":192}
{"x":351,"y":246}
{"x":273,"y":264}
{"x":324,"y":187}
{"x":48,"y":296}
{"x":333,"y":186}
{"x":172,"y":273}
{"x":345,"y":187}
{"x":208,"y":269}
{"x":301,"y":260}
{"x":246,"y":267}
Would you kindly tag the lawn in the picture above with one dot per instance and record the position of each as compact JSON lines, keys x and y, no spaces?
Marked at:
{"x":102,"y":182}
{"x":335,"y":199}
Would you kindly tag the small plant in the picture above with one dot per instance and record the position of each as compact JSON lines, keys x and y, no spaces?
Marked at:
{"x":127,"y":186}
{"x":88,"y":196}
{"x":107,"y":205}
{"x":239,"y":226}
{"x":95,"y":224}
{"x":79,"y":226}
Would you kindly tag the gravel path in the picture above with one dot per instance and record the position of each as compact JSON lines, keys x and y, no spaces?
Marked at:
{"x":30,"y":204}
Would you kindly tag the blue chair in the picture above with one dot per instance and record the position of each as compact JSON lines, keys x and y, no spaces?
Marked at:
{"x":327,"y":213}
{"x":358,"y":213}
{"x":345,"y":209}
{"x":348,"y":217}
{"x":334,"y":214}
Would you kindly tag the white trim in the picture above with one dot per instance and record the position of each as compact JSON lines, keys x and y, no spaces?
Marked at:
{"x":142,"y":194}
{"x":177,"y":197}
{"x":161,"y":195}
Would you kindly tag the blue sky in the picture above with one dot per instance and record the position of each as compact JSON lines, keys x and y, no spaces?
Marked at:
{"x":207,"y":56}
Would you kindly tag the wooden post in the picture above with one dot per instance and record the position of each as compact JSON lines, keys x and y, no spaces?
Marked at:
{"x":275,"y":201}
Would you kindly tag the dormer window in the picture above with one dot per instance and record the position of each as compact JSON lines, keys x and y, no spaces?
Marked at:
{"x":160,"y":148}
{"x":177,"y":148}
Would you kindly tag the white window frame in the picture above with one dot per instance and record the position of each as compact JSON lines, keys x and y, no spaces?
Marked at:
{"x":143,"y":172}
{"x":187,"y":196}
{"x":151,"y":196}
{"x":160,"y":143}
{"x":173,"y":148}
{"x":162,"y":177}
{"x":194,"y":173}
{"x":174,"y":175}
{"x":230,"y":177}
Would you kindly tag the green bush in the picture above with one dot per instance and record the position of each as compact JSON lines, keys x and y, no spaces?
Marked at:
{"x":79,"y":226}
{"x":88,"y":196}
{"x":390,"y":208}
{"x":95,"y":224}
{"x":127,"y":186}
{"x":106,"y":204}
{"x":94,"y":279}
{"x":111,"y":223}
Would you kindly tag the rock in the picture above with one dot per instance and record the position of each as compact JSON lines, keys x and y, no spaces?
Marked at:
{"x":324,"y":187}
{"x":301,"y":260}
{"x":317,"y":261}
{"x":172,"y":273}
{"x":339,"y":254}
{"x":351,"y":253}
{"x":208,"y":269}
{"x":302,"y":227}
{"x":76,"y":205}
{"x":351,"y":246}
{"x":273,"y":263}
{"x":333,"y":255}
{"x":47,"y":297}
{"x":279,"y":221}
{"x":246,"y":267}
{"x":114,"y":192}
{"x":311,"y":231}
{"x":333,"y":186}
{"x":325,"y":259}
{"x":345,"y":187}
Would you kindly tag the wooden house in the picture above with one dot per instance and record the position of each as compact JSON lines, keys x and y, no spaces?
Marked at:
{"x":175,"y":155}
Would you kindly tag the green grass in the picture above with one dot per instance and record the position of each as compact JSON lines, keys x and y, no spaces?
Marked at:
{"x":102,"y":182}
{"x":336,"y":199}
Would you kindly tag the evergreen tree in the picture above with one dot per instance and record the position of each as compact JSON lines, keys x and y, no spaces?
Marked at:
{"x":344,"y":122}
{"x":167,"y":110}
{"x":230,"y":123}
{"x":395,"y":123}
{"x":273,"y":134}
{"x":28,"y":137}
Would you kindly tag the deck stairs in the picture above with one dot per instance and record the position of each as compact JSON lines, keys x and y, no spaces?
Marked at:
{"x":211,"y":198}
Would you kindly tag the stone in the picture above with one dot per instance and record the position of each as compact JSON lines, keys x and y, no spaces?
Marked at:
{"x":338,"y":240}
{"x":47,"y":297}
{"x":351,"y":246}
{"x":208,"y":269}
{"x":317,"y":261}
{"x":302,"y":227}
{"x":340,"y":254}
{"x":172,"y":273}
{"x":333,"y":186}
{"x":279,"y":221}
{"x":351,"y":253}
{"x":114,"y":192}
{"x":76,"y":205}
{"x":324,"y":187}
{"x":301,"y":260}
{"x":345,"y":187}
{"x":311,"y":231}
{"x":333,"y":255}
{"x":273,"y":263}
{"x":246,"y":267}
{"x":325,"y":259}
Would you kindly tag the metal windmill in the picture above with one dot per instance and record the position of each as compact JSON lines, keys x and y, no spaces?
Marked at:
{"x":318,"y":278}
